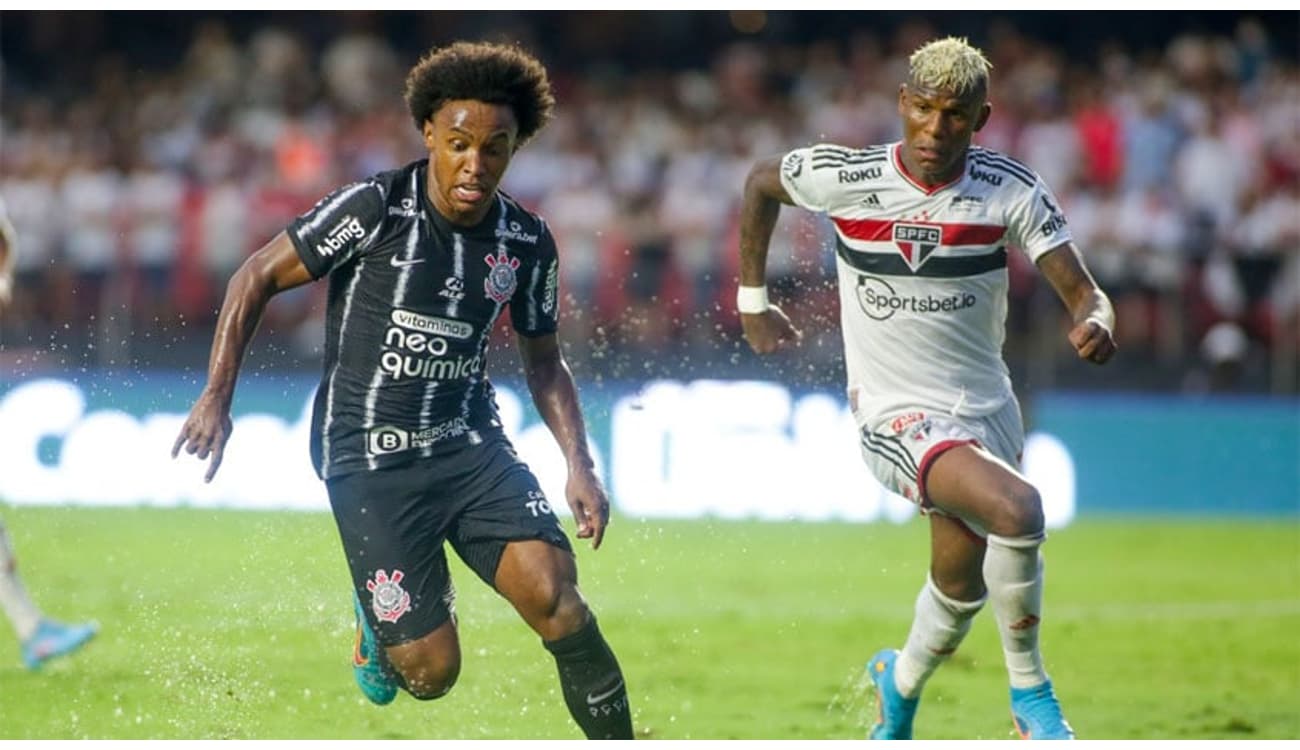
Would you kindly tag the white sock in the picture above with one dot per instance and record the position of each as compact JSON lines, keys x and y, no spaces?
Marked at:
{"x":938,"y":628}
{"x":13,"y":596}
{"x":1013,"y":572}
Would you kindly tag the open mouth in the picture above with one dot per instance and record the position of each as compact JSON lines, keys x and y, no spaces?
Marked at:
{"x":469,"y":193}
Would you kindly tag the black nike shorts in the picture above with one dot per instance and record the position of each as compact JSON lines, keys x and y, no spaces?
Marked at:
{"x":393,"y":523}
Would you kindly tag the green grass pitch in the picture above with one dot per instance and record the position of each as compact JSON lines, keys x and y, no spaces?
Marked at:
{"x":223,"y":624}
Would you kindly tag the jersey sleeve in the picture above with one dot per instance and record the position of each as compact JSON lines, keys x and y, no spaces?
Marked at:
{"x":338,"y":228}
{"x":807,"y":179}
{"x":1036,"y":222}
{"x":535,"y":306}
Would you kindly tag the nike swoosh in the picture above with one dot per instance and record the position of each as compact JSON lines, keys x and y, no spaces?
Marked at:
{"x":404,"y":263}
{"x":359,"y":659}
{"x":594,"y":699}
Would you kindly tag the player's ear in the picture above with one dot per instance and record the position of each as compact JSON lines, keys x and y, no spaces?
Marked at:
{"x":902,"y":98}
{"x":982,"y":119}
{"x":428,"y":133}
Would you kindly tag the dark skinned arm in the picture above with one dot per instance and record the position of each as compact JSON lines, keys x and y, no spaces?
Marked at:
{"x":271,"y":270}
{"x":551,"y":384}
{"x":1092,"y":334}
{"x":769,"y":330}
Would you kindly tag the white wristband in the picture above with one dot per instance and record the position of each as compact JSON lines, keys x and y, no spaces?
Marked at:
{"x":751,"y":300}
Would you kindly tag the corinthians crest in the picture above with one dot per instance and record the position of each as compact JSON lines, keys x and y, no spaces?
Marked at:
{"x":500,"y":282}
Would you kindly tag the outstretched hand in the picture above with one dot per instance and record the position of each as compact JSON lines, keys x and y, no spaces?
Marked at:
{"x":1093,"y":341}
{"x":769,"y":330}
{"x":589,"y":504}
{"x":205,"y":433}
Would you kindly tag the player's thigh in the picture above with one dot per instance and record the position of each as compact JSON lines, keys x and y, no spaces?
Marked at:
{"x":510,"y":536}
{"x":970,"y":482}
{"x":392,"y":530}
{"x":503,"y":504}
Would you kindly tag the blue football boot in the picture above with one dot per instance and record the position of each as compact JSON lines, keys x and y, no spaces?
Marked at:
{"x":894,"y":713}
{"x":53,"y":639}
{"x":1037,"y":714}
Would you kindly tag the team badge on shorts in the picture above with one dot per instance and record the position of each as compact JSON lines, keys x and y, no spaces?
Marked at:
{"x":388,"y":599}
{"x":500,"y":282}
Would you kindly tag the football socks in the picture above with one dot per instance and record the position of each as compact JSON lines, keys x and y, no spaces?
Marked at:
{"x":592,"y":683}
{"x":938,"y":628}
{"x":1013,"y":572}
{"x":22,"y":612}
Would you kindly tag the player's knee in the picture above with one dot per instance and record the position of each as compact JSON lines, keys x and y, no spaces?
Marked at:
{"x":558,"y":610}
{"x":432,"y":681}
{"x":962,"y":589}
{"x":1022,"y":513}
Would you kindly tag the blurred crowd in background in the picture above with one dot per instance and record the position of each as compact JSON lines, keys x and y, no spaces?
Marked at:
{"x":143,"y":156}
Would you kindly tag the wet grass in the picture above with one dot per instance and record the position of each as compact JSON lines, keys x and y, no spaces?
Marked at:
{"x":224,"y":624}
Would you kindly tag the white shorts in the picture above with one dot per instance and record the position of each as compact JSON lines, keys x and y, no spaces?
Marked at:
{"x":900,"y":446}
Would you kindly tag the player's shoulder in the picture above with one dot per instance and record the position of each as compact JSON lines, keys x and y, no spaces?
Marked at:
{"x":999,"y":170}
{"x":834,"y":157}
{"x":519,"y":222}
{"x":393,"y":185}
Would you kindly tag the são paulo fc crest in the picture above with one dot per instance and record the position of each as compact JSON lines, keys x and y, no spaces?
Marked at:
{"x":388,"y":599}
{"x":500,"y":282}
{"x":916,"y":242}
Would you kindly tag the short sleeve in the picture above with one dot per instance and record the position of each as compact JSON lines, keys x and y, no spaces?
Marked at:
{"x":338,"y":228}
{"x":535,"y":306}
{"x":808,"y":179}
{"x":1036,"y":222}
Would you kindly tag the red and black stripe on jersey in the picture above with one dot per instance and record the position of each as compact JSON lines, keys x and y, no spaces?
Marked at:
{"x":891,"y":263}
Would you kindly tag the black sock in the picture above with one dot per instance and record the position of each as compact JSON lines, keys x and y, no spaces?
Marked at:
{"x":592,"y":683}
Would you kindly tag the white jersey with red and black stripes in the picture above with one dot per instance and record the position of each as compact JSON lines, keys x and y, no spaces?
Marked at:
{"x":923,"y":271}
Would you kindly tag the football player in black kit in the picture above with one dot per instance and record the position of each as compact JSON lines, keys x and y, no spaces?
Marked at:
{"x":421,"y":261}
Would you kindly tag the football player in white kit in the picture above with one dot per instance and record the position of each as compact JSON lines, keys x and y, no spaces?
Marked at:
{"x":923,"y":228}
{"x":42,"y":638}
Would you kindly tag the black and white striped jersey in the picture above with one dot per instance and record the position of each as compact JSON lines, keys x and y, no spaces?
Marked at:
{"x":923,"y":270}
{"x":412,"y":302}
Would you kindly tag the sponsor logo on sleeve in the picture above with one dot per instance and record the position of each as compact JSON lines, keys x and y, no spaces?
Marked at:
{"x":552,"y":288}
{"x":348,"y":229}
{"x":1054,"y":222}
{"x":792,"y":165}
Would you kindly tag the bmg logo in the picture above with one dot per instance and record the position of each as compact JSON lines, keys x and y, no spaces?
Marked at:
{"x":381,"y":440}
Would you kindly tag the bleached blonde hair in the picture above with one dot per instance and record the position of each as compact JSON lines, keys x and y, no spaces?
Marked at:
{"x":951,"y":64}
